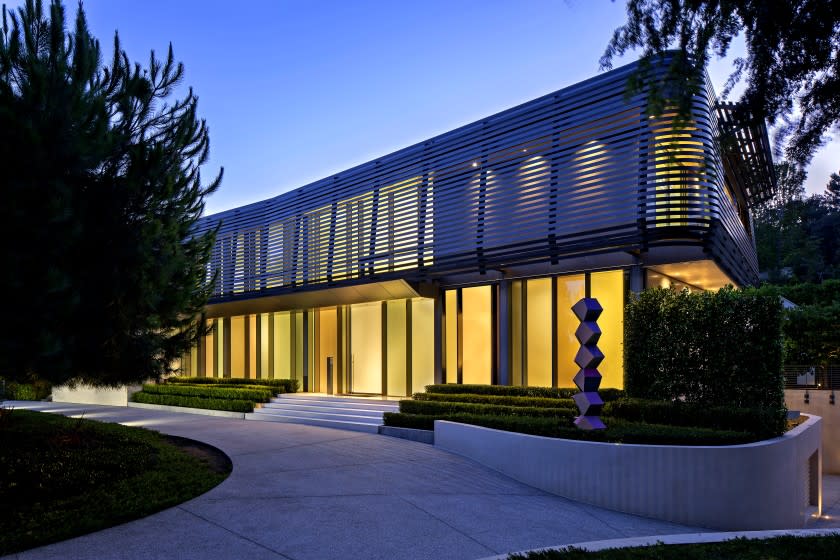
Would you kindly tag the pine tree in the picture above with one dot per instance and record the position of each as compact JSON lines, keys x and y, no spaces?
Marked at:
{"x":103,"y":281}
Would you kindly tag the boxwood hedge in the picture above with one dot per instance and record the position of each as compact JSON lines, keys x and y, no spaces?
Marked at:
{"x":263,"y":394}
{"x":279,"y":385}
{"x":497,"y":399}
{"x":233,"y":405}
{"x":449,"y":408}
{"x":509,"y":390}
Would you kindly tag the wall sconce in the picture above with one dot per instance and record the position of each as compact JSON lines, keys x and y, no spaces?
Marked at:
{"x":807,"y":397}
{"x":831,"y":397}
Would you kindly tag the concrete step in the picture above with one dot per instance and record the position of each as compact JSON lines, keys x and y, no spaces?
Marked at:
{"x":317,"y":397}
{"x":291,"y":407}
{"x":321,"y":414}
{"x":339,"y":424}
{"x":355,"y":404}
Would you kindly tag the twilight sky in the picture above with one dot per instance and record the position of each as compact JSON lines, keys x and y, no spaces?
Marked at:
{"x":294,"y":91}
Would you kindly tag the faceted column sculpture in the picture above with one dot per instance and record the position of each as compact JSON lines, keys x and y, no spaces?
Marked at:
{"x":588,"y":358}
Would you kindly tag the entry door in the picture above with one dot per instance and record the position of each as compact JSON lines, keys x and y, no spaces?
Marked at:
{"x":366,"y":348}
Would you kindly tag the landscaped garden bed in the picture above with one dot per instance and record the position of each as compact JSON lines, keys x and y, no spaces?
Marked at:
{"x":787,"y":547}
{"x":628,"y":420}
{"x":62,"y":477}
{"x":214,"y":393}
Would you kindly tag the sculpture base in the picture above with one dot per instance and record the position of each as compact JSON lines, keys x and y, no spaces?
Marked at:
{"x":589,"y":423}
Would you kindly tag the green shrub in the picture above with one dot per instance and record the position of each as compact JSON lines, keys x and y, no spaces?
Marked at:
{"x":448,"y":408}
{"x":712,"y":348}
{"x":262,"y":394}
{"x":818,"y":547}
{"x":618,"y":431}
{"x":35,"y":391}
{"x":195,"y":402}
{"x":280,"y":385}
{"x":497,"y":399}
{"x":521,"y":424}
{"x":509,"y":390}
{"x":763,"y":423}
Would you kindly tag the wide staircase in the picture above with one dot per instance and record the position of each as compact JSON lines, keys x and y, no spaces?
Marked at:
{"x":359,"y":414}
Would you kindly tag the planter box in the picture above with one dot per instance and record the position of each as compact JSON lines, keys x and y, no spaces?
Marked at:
{"x":772,"y":484}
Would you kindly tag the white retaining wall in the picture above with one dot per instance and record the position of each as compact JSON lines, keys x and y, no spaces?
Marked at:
{"x":819,"y":404}
{"x":773,"y":484}
{"x":85,"y":394}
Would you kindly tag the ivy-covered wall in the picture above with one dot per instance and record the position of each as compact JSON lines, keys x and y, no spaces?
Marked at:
{"x":719,"y":348}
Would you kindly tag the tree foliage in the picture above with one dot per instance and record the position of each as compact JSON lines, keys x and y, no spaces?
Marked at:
{"x":709,"y":348}
{"x":103,"y":282}
{"x":791,"y":70}
{"x":798,"y":237}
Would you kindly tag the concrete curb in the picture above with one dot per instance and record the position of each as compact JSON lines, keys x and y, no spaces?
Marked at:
{"x":411,"y":434}
{"x":685,"y":538}
{"x":187,"y":410}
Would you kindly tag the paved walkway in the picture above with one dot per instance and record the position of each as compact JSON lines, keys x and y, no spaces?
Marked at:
{"x":302,"y":492}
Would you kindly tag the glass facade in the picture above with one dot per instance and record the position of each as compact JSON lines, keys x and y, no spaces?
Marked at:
{"x":388,"y":347}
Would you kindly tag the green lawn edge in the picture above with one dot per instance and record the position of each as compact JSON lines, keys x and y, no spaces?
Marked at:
{"x":777,"y":548}
{"x":41,"y":507}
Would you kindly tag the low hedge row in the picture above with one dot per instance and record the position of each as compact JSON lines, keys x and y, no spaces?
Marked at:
{"x":509,"y":400}
{"x":449,"y":408}
{"x":233,"y":405}
{"x":281,"y":385}
{"x":263,"y":394}
{"x":764,"y":423}
{"x":509,"y":390}
{"x":618,"y":431}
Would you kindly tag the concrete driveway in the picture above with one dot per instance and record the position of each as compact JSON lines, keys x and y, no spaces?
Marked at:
{"x":302,"y":492}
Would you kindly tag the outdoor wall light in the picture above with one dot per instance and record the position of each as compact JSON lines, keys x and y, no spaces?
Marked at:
{"x":831,"y":397}
{"x":807,"y":397}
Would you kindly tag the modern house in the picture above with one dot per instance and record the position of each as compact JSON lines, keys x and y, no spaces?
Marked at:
{"x":457,"y":260}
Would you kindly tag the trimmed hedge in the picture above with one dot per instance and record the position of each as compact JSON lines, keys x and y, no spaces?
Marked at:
{"x":497,"y":399}
{"x":211,"y":392}
{"x":618,"y":431}
{"x":509,"y":390}
{"x":522,"y":424}
{"x":281,"y":385}
{"x":449,"y":408}
{"x":233,"y":405}
{"x":712,"y":348}
{"x":763,"y":423}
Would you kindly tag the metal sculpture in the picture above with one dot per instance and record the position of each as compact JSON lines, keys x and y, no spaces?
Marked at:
{"x":588,"y":378}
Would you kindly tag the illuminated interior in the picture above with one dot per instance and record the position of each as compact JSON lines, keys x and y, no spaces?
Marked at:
{"x":366,"y":348}
{"x":570,"y":289}
{"x":538,"y":343}
{"x":477,"y":333}
{"x":422,"y":344}
{"x":696,"y":275}
{"x":608,"y":289}
{"x":678,"y":162}
{"x":388,"y":347}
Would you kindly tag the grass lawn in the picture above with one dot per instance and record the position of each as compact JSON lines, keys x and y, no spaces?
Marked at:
{"x":63,"y":477}
{"x":779,"y":548}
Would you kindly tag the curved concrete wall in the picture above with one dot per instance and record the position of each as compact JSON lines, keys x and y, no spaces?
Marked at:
{"x":772,"y":484}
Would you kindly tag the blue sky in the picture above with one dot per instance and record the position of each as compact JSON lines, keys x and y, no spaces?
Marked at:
{"x":294,"y":91}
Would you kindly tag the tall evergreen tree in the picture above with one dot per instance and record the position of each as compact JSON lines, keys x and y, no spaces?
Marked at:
{"x":99,"y":170}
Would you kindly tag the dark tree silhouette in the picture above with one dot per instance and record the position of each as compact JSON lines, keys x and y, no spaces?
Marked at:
{"x":792,"y":66}
{"x":102,"y":281}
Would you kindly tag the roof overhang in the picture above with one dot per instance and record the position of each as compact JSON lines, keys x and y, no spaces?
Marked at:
{"x":318,"y":297}
{"x":704,"y":274}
